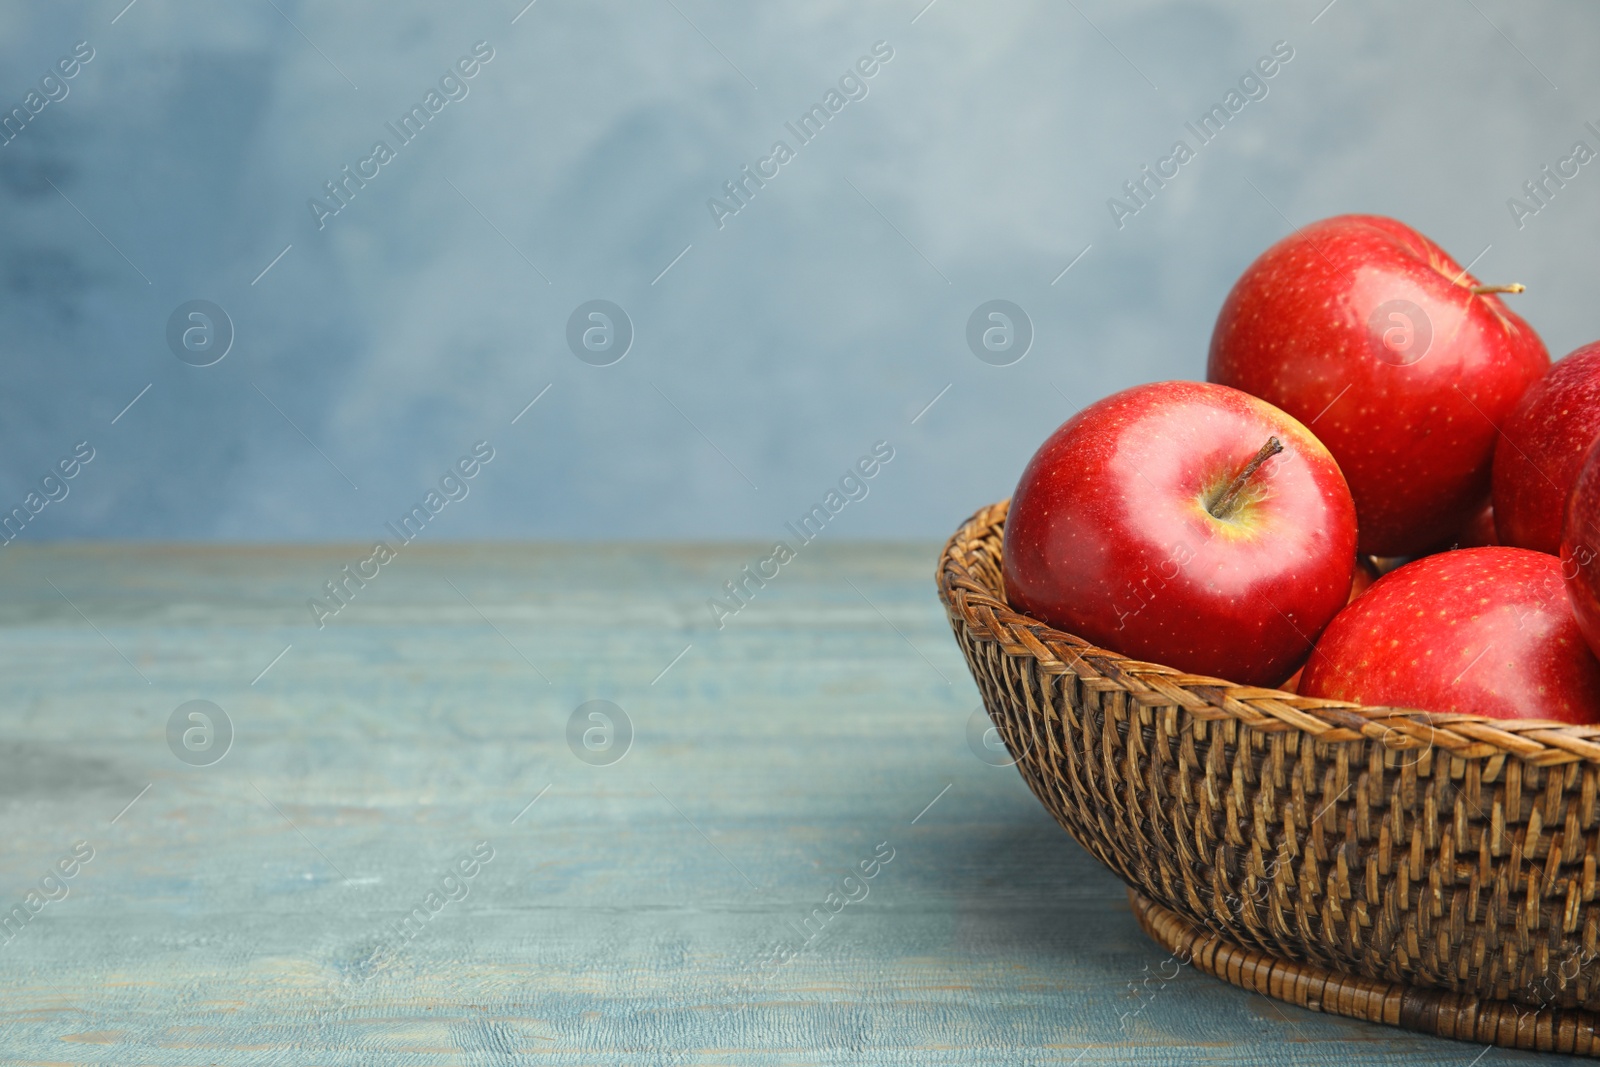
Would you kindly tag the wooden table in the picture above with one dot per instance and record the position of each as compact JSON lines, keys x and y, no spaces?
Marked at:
{"x":253,"y":910}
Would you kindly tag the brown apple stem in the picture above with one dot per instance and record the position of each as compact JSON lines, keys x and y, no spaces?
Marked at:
{"x":1514,"y":287}
{"x":1222,"y":507}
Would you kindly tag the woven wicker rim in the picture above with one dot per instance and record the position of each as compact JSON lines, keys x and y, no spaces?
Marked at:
{"x":1426,"y":1011}
{"x":970,"y":585}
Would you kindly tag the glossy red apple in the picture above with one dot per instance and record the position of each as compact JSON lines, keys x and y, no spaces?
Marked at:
{"x":1543,"y":445}
{"x":1394,"y":356}
{"x":1580,"y":549}
{"x":1185,"y":524}
{"x":1481,"y":631}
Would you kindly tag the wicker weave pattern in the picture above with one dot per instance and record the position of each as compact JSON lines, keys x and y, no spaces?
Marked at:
{"x":1442,"y":852}
{"x":1464,"y":1018}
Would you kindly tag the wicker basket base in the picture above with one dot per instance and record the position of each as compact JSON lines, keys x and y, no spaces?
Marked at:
{"x":1486,"y":1022}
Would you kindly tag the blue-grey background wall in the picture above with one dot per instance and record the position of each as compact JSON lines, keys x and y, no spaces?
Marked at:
{"x":770,"y":352}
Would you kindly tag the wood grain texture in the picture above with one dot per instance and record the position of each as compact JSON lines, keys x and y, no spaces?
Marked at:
{"x":242,"y":913}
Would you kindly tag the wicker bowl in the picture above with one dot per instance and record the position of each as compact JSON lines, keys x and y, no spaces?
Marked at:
{"x":1436,"y":872}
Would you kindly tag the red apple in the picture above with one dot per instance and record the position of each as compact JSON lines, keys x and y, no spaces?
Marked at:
{"x":1544,"y":442}
{"x":1580,"y":549}
{"x":1482,"y":631}
{"x":1186,"y":524}
{"x":1394,"y":356}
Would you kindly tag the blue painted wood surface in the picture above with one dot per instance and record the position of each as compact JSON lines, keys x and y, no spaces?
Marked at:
{"x":669,"y":908}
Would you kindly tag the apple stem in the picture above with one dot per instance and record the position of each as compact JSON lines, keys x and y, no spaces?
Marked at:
{"x":1514,"y":287}
{"x":1223,"y":506}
